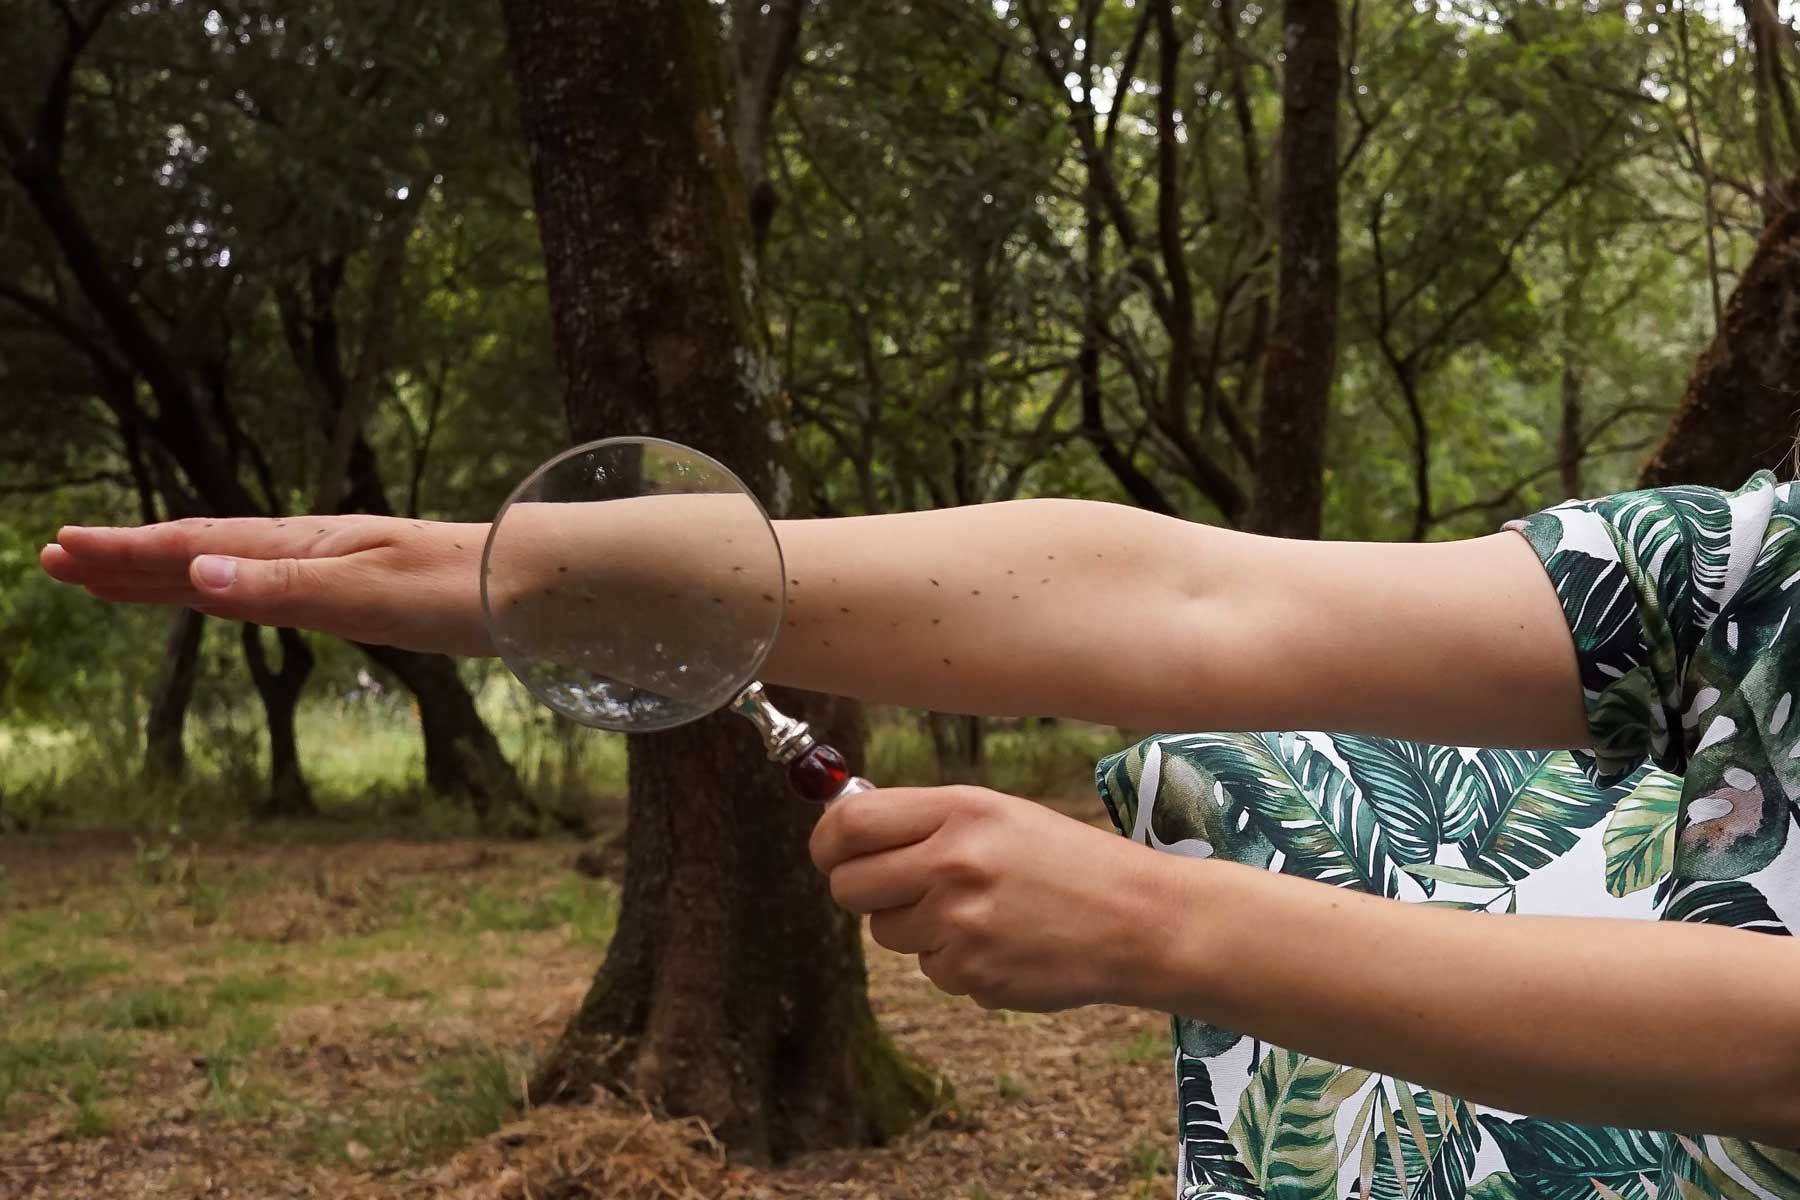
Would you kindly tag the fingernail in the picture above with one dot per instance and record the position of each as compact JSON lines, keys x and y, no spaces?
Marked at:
{"x":214,"y":571}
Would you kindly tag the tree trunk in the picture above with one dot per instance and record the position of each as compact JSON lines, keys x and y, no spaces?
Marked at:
{"x":1738,"y":414}
{"x":462,"y":757}
{"x":279,"y":690}
{"x":1569,"y":448}
{"x":958,"y":742}
{"x":734,"y":989}
{"x":164,"y":756}
{"x":1301,"y":358}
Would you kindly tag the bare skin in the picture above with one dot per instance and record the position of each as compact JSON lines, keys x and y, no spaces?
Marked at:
{"x":1114,"y":615}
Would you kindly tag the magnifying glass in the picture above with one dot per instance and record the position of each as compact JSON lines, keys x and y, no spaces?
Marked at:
{"x":635,"y":584}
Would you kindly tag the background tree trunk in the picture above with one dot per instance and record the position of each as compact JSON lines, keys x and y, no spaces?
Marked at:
{"x":279,"y":690}
{"x":957,"y":740}
{"x":1301,"y":358}
{"x":165,"y":757}
{"x":734,"y":989}
{"x":1741,"y":409}
{"x":462,"y":757}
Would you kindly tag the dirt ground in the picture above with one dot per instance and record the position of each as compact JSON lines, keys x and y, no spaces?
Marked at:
{"x":352,"y":1020}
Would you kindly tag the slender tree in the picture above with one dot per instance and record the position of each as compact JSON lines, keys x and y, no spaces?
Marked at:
{"x":1301,"y":357}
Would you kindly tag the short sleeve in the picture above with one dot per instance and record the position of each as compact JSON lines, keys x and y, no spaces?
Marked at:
{"x":1643,"y":577}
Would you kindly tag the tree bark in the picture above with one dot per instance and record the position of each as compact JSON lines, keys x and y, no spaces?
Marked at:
{"x":1738,"y":414}
{"x":959,"y":743}
{"x":165,"y":758}
{"x":734,"y":989}
{"x":462,"y":757}
{"x":279,"y":690}
{"x":1301,"y":358}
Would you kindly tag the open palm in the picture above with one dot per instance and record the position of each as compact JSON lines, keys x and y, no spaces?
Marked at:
{"x":381,"y":580}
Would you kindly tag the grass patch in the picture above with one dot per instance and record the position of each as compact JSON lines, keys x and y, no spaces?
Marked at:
{"x":587,"y":910}
{"x":77,"y":1062}
{"x":390,"y":985}
{"x":1145,"y":1047}
{"x":152,"y":1008}
{"x":58,"y":977}
{"x":457,"y":1099}
{"x":243,"y":989}
{"x":1148,"y":1160}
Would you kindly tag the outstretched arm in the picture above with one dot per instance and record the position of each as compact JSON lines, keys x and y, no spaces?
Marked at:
{"x":1033,"y":607}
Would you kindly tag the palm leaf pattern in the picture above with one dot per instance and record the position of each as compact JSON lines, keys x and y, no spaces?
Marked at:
{"x":1719,"y":902}
{"x":1437,"y":1161}
{"x":1284,"y":1133}
{"x":1210,"y":1163}
{"x":1299,"y":800}
{"x":1555,"y":1160}
{"x":1530,"y":808}
{"x":1405,"y":785}
{"x":1640,"y":836}
{"x":1678,"y":602}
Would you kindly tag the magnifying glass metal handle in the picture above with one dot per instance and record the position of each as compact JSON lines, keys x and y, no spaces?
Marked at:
{"x":815,"y":771}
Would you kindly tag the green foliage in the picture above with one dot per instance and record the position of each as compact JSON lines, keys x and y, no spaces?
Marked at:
{"x":1522,"y":224}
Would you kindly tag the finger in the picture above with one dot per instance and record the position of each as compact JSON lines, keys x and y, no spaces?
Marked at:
{"x":890,"y":879}
{"x":908,"y":930}
{"x":175,"y":543}
{"x":935,"y":965}
{"x":124,"y":582}
{"x":304,"y":593}
{"x":883,"y":819}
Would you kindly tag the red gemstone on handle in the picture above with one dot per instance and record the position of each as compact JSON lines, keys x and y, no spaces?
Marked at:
{"x":819,"y":774}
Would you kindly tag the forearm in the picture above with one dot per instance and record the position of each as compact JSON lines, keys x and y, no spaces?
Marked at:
{"x":1563,"y":1017}
{"x":1111,"y":614}
{"x":1040,"y":607}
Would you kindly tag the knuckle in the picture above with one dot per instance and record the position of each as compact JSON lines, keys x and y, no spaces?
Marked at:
{"x":969,"y":917}
{"x":969,"y":858}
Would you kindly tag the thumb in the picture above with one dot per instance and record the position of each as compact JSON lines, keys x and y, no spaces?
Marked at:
{"x":303,"y":593}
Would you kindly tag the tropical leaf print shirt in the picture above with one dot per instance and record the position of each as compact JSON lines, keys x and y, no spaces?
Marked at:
{"x":1679,"y":601}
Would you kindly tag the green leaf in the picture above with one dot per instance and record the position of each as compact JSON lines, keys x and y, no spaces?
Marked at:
{"x":1436,"y":1153}
{"x":1299,"y":800}
{"x":1392,"y":1148}
{"x":1774,"y":1170}
{"x":1362,"y":1131}
{"x":1285,"y":1133}
{"x":1457,"y":875}
{"x":1498,"y":1186}
{"x":1415,"y":1124}
{"x":1365,"y":1175}
{"x":1555,"y":1160}
{"x":1640,"y":837}
{"x":1675,"y":543}
{"x":1729,"y":902}
{"x":1532,"y":809}
{"x":1348,"y":1082}
{"x":1211,"y":1161}
{"x":1408,"y":784}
